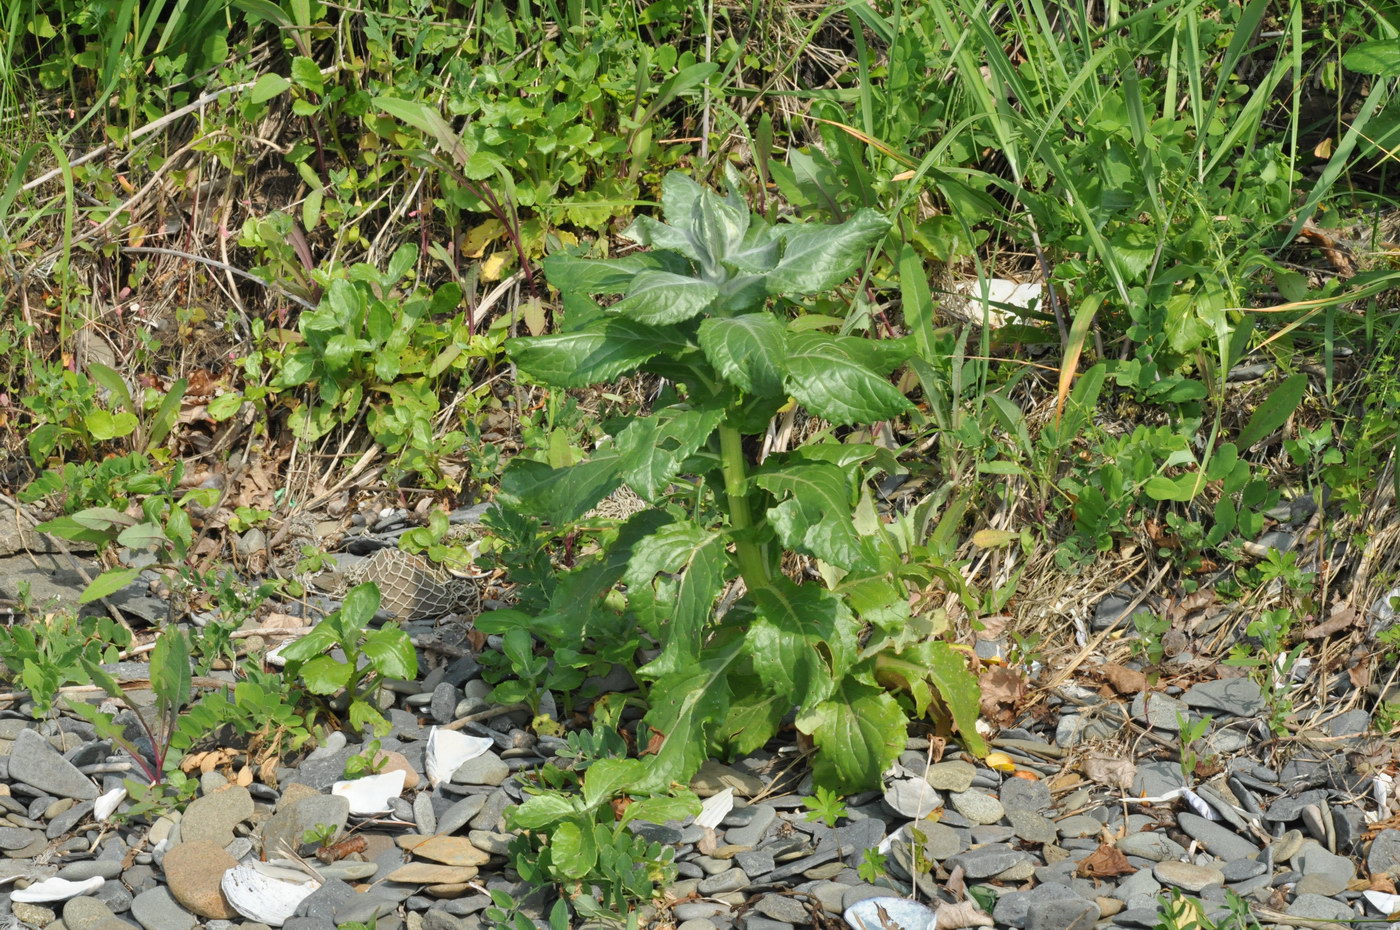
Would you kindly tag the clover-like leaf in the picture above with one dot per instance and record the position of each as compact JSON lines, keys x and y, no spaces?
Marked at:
{"x":747,"y":350}
{"x":817,"y":258}
{"x":660,"y":297}
{"x":827,"y":376}
{"x":858,"y":733}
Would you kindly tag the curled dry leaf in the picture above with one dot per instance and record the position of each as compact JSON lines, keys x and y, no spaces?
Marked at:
{"x":1343,"y":616}
{"x":1105,"y":862}
{"x":1003,"y":689}
{"x":1122,"y":679}
{"x":962,"y":914}
{"x":1106,"y":770}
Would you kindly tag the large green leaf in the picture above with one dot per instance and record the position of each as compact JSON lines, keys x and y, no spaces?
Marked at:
{"x":1274,"y":411}
{"x":685,"y":707}
{"x":660,"y":297}
{"x":651,"y":232}
{"x":829,"y":378}
{"x":802,"y":641}
{"x":571,"y":274}
{"x":933,"y":669}
{"x":599,"y":352}
{"x":747,"y":350}
{"x":609,"y":777}
{"x":754,"y":717}
{"x":858,"y":734}
{"x":816,"y":258}
{"x":543,"y":811}
{"x":109,"y":582}
{"x":814,"y":514}
{"x":653,"y":449}
{"x":672,"y":580}
{"x":560,"y":495}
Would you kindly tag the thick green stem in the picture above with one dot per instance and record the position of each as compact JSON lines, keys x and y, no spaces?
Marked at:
{"x":752,"y":563}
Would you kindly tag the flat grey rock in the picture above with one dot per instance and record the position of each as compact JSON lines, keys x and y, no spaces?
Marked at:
{"x":954,"y":775}
{"x":1019,"y":794}
{"x":1063,"y":914}
{"x":1318,"y":907}
{"x":1234,"y":697}
{"x":761,"y":818}
{"x":977,"y":806}
{"x":486,"y":769}
{"x":154,"y":909}
{"x":1160,"y":711}
{"x":1217,"y":839}
{"x":1187,"y":876}
{"x":1013,"y":908}
{"x":986,"y":861}
{"x":33,"y":761}
{"x":1157,"y":847}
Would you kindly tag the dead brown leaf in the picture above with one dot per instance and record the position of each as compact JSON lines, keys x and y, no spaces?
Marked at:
{"x":1343,"y":616}
{"x":1003,"y":689}
{"x":1122,"y":679}
{"x":1105,"y":862}
{"x":1107,"y":770}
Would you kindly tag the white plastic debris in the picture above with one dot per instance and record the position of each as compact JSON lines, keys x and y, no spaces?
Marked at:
{"x":448,"y":750}
{"x":55,"y":889}
{"x":1199,"y":805}
{"x":371,"y":795}
{"x":975,"y":301}
{"x":263,"y":899}
{"x":715,"y":808}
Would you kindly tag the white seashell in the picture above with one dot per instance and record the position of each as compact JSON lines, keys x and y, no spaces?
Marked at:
{"x":1385,"y":904}
{"x":371,"y":794}
{"x":715,"y":808}
{"x":56,"y":889}
{"x":448,"y":750}
{"x":902,"y":914}
{"x":107,"y":804}
{"x":263,"y":899}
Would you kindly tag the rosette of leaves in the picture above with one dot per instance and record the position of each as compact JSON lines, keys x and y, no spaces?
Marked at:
{"x":710,"y":307}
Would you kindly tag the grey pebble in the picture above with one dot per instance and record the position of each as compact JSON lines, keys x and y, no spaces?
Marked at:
{"x":986,"y":861}
{"x":784,"y":908}
{"x":977,"y":806}
{"x":1235,"y":697}
{"x":1157,"y":847}
{"x":761,"y":818}
{"x":726,"y":881}
{"x":1064,"y":914}
{"x":156,"y":910}
{"x":1187,"y":875}
{"x":954,"y":775}
{"x":34,"y":762}
{"x":1217,"y":839}
{"x":456,"y":816}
